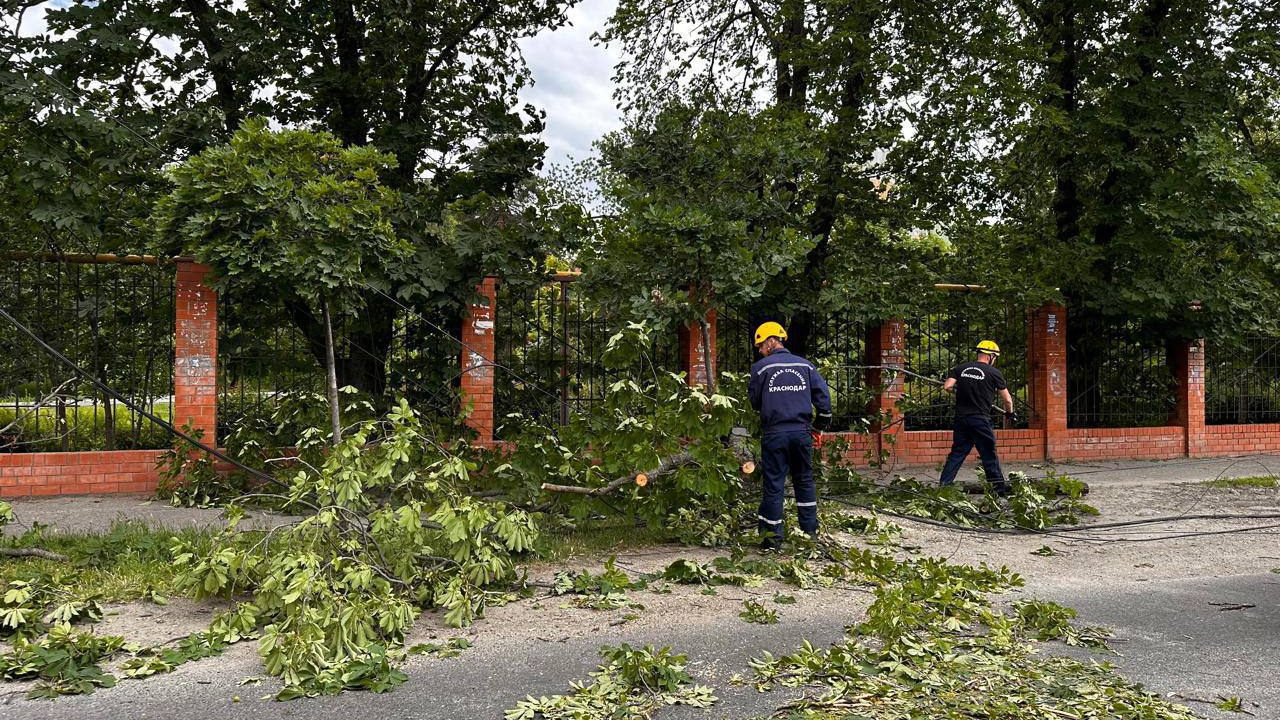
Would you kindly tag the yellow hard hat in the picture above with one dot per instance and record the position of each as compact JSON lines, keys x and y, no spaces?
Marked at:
{"x":989,"y":347}
{"x":768,"y":330}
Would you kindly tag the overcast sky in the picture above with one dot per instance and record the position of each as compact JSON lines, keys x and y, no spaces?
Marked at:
{"x":573,"y":82}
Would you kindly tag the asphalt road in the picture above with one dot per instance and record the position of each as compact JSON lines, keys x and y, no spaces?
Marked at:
{"x":482,"y":683}
{"x":1170,"y":635}
{"x":1174,"y":639}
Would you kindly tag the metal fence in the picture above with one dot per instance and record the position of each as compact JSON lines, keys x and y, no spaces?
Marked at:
{"x":1117,"y":375}
{"x":836,"y":345}
{"x":1242,"y":381}
{"x":262,"y":358}
{"x":265,"y":359}
{"x":946,"y":336}
{"x":116,"y":321}
{"x":735,"y":343}
{"x":550,"y":341}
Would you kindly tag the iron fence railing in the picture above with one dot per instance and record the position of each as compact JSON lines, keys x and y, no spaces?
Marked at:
{"x":1242,"y":381}
{"x":946,"y":336}
{"x":262,"y":358}
{"x":266,"y":358}
{"x":113,"y":319}
{"x":836,"y":345}
{"x":550,"y":341}
{"x":1117,"y":375}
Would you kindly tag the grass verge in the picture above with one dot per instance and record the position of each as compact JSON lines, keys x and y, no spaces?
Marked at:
{"x":1259,"y":481}
{"x":130,"y":561}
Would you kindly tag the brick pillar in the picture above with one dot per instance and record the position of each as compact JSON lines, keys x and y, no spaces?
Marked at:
{"x":1186,"y":363}
{"x":195,"y":362}
{"x":885,"y":346}
{"x":691,"y":350}
{"x":1047,"y":363}
{"x":477,"y":361}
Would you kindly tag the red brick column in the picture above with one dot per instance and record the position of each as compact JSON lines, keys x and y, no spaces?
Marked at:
{"x":691,"y":360}
{"x":477,"y":361}
{"x":885,"y":346}
{"x":1047,"y":361}
{"x":1186,"y":363}
{"x":195,"y":362}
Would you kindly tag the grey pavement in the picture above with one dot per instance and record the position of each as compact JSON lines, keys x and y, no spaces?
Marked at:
{"x":1127,"y":472}
{"x":1169,"y":636}
{"x":1176,"y":641}
{"x":481,"y":684}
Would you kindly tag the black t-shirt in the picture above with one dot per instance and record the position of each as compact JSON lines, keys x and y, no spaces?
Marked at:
{"x":976,"y":387}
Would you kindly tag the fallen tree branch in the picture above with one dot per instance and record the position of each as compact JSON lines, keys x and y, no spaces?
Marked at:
{"x":665,"y":466}
{"x":32,"y":552}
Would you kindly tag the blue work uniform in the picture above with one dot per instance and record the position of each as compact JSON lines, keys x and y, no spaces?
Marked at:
{"x":785,"y":388}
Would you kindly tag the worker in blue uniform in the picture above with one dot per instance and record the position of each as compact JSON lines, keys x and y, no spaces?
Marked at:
{"x":786,"y":390}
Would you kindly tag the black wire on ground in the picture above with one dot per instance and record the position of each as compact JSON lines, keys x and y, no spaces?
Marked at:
{"x":1061,"y":534}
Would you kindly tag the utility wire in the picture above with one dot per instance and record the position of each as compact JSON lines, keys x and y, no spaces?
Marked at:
{"x":108,"y":390}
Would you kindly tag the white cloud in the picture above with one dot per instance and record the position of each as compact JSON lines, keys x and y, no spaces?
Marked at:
{"x":573,"y":82}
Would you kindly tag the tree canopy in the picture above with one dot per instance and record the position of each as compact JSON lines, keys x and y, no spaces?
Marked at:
{"x":1119,"y":154}
{"x":114,"y":91}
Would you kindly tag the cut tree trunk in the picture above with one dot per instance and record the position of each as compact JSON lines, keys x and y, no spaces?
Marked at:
{"x":665,"y":466}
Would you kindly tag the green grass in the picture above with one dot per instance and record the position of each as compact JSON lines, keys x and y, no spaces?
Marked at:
{"x":1260,"y":481}
{"x":128,"y":562}
{"x":599,"y":538}
{"x":86,"y":428}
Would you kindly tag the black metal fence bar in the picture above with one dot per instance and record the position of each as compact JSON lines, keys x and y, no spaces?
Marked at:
{"x":937,"y":341}
{"x":114,"y":317}
{"x":1242,"y":381}
{"x":550,"y":343}
{"x":1117,"y":375}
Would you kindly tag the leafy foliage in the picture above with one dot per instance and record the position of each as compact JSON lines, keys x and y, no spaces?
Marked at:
{"x":754,"y":611}
{"x":702,"y":219}
{"x":389,"y":530}
{"x":66,"y":662}
{"x":293,"y":211}
{"x":188,"y":478}
{"x":29,"y":608}
{"x":640,"y":424}
{"x":932,"y":631}
{"x":453,"y":648}
{"x":1033,"y":505}
{"x":631,"y":683}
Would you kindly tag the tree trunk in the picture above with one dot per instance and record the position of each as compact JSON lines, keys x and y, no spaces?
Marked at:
{"x":335,"y":415}
{"x":707,"y":356}
{"x":368,"y":343}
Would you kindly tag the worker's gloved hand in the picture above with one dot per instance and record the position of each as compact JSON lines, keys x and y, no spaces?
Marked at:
{"x":1011,"y":418}
{"x":822,"y":421}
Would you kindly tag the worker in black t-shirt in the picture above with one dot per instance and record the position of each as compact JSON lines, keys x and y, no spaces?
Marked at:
{"x":975,"y":385}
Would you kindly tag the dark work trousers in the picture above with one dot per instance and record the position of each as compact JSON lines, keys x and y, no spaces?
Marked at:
{"x":779,"y":454}
{"x":971,"y":430}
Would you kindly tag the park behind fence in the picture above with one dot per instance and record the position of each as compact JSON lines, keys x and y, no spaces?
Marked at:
{"x":154,"y":331}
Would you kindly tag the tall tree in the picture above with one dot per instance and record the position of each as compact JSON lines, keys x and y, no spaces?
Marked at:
{"x":1096,"y":147}
{"x":702,"y":220}
{"x":846,"y":72}
{"x":295,"y":210}
{"x":433,"y":84}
